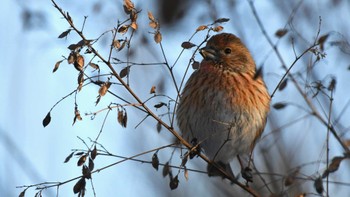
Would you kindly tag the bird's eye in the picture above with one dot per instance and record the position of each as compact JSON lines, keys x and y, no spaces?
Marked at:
{"x":227,"y":50}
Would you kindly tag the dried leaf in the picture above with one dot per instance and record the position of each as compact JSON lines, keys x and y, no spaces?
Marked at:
{"x":174,"y":183}
{"x":128,"y":6}
{"x":70,"y":20}
{"x":184,"y":160}
{"x":86,"y":172}
{"x":68,"y":157}
{"x":153,"y":90}
{"x":133,"y":16}
{"x":218,"y":28}
{"x":158,"y":37}
{"x":56,"y":66}
{"x":150,"y":16}
{"x":187,"y":45}
{"x":281,"y":32}
{"x":186,"y":173}
{"x":318,"y":184}
{"x":95,"y":66}
{"x":155,"y":161}
{"x":122,"y":118}
{"x":71,"y":58}
{"x":123,"y":29}
{"x":153,"y":24}
{"x":93,"y":153}
{"x":166,"y":169}
{"x":123,"y":45}
{"x":332,"y":84}
{"x":291,"y":177}
{"x":79,"y":186}
{"x":116,"y":44}
{"x":79,"y":63}
{"x":81,"y":160}
{"x":124,"y":72}
{"x":221,"y":20}
{"x":22,"y":194}
{"x":159,"y":127}
{"x":104,"y":88}
{"x":91,"y":164}
{"x":322,"y":40}
{"x":195,"y":65}
{"x":279,"y":106}
{"x":65,"y":33}
{"x":76,"y":115}
{"x":334,"y":166}
{"x":81,"y":80}
{"x":201,"y":28}
{"x":283,"y":84}
{"x":159,"y":105}
{"x":47,"y":120}
{"x":134,"y":25}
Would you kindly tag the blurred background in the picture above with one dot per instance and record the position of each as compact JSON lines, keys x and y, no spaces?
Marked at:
{"x":294,"y":141}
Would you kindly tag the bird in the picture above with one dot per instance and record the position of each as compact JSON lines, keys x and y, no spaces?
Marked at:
{"x":223,"y":106}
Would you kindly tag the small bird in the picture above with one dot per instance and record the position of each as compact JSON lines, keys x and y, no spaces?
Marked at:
{"x":224,"y":104}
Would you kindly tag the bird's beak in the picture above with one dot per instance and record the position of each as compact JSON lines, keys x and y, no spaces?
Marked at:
{"x":208,"y":54}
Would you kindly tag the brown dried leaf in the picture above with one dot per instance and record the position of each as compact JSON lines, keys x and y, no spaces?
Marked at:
{"x":122,"y":118}
{"x":158,"y":37}
{"x":201,"y":28}
{"x":47,"y":120}
{"x":128,"y":5}
{"x":195,"y":65}
{"x":95,"y":66}
{"x":79,"y":186}
{"x":186,"y":173}
{"x":22,"y":194}
{"x":91,"y":164}
{"x":153,"y":90}
{"x":56,"y":66}
{"x":93,"y":153}
{"x":81,"y":160}
{"x":322,"y":40}
{"x":81,"y":78}
{"x":279,"y":106}
{"x":166,"y":169}
{"x":334,"y":166}
{"x":153,"y":24}
{"x":79,"y":63}
{"x":174,"y":183}
{"x":187,"y":45}
{"x":283,"y":84}
{"x":218,"y":28}
{"x":86,"y":172}
{"x":155,"y":161}
{"x":221,"y":20}
{"x":134,"y":25}
{"x":116,"y":44}
{"x":77,"y":115}
{"x":281,"y":32}
{"x":332,"y":84}
{"x":123,"y":29}
{"x":318,"y":184}
{"x":159,"y":127}
{"x":124,"y":72}
{"x":71,"y":58}
{"x":65,"y":33}
{"x":70,"y":20}
{"x":68,"y":157}
{"x":150,"y":16}
{"x":291,"y":177}
{"x":159,"y":105}
{"x":103,"y":89}
{"x":133,"y":16}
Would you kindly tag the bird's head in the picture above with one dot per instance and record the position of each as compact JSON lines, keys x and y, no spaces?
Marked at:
{"x":228,"y":52}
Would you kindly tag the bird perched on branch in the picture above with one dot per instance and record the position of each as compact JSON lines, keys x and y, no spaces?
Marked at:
{"x":224,"y":104}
